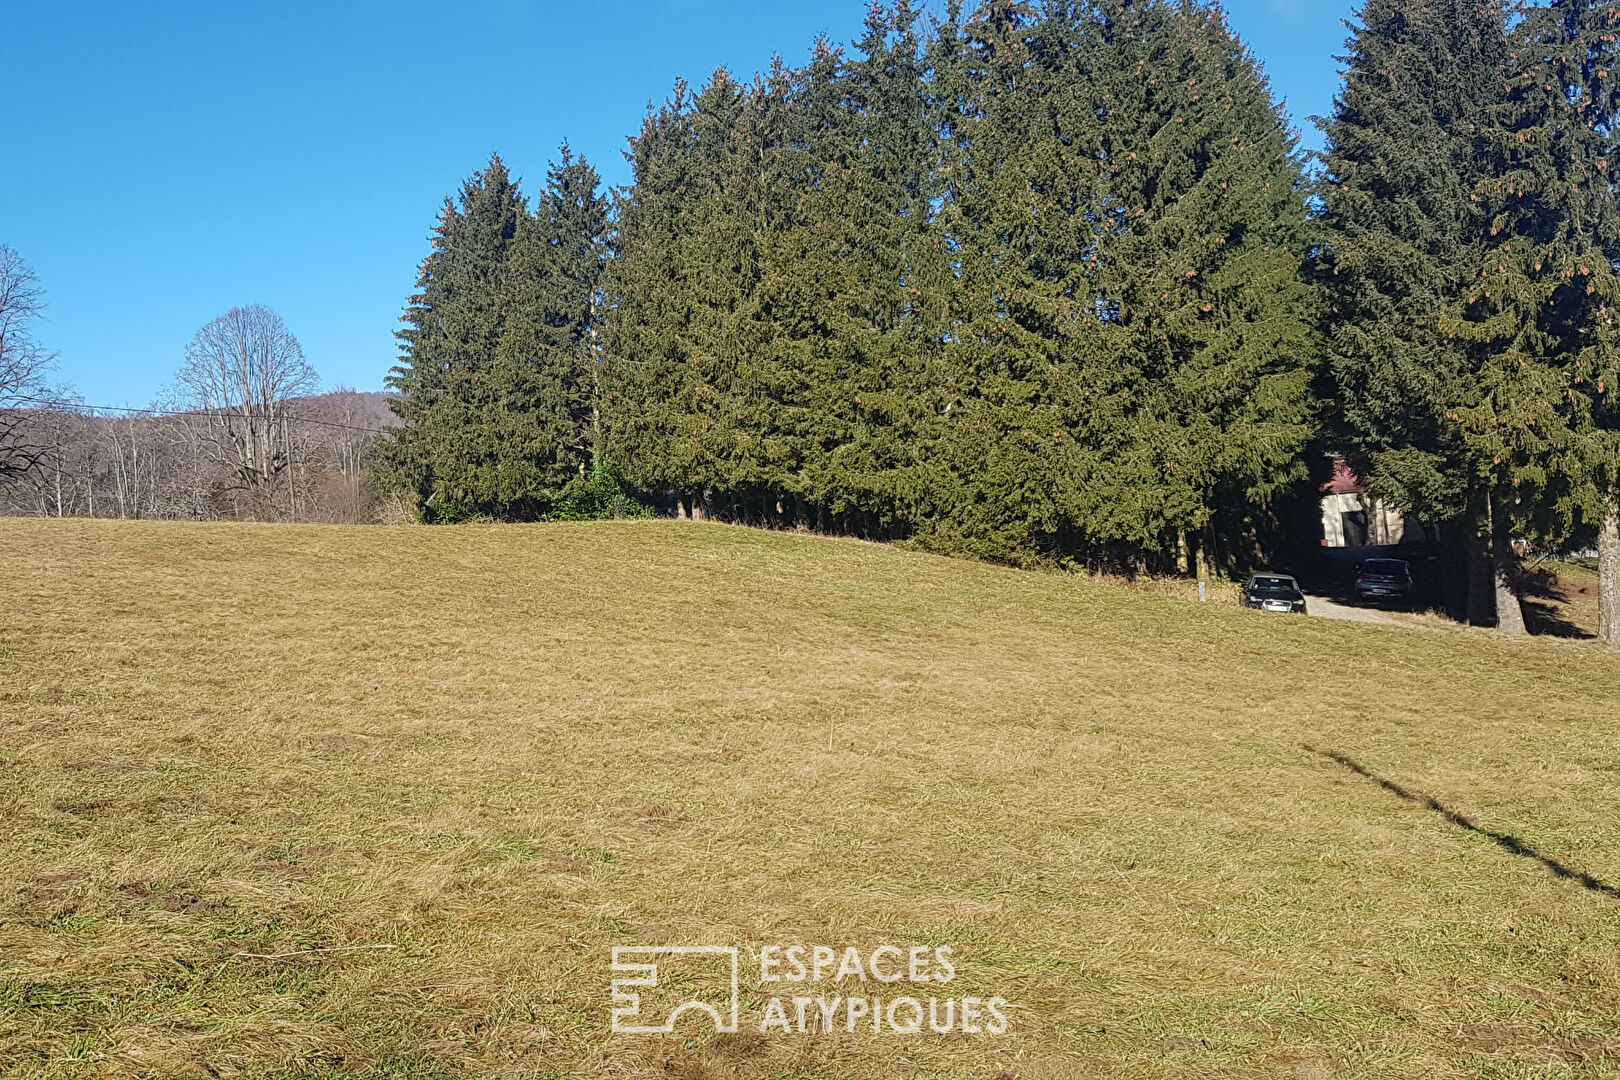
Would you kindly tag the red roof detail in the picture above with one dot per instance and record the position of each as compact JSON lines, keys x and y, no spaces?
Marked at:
{"x":1344,"y":481}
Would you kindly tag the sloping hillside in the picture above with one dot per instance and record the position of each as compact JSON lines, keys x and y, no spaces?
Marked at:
{"x":315,"y":802}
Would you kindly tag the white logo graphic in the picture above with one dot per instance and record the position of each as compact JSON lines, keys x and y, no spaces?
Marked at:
{"x":635,"y":960}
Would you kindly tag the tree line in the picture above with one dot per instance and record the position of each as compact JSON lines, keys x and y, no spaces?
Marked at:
{"x":1025,"y":285}
{"x":1052,"y":281}
{"x":152,"y":464}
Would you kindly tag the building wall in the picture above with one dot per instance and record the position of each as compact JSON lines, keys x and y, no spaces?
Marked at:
{"x":1384,"y":525}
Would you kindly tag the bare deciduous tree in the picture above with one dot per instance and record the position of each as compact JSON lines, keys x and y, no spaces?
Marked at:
{"x":130,"y":443}
{"x":22,"y":363}
{"x":61,"y":461}
{"x":239,"y":373}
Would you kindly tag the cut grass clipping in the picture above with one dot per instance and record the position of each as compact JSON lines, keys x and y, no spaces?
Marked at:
{"x":289,"y":802}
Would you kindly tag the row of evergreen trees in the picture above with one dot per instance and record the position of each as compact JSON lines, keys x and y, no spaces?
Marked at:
{"x":1048,"y":280}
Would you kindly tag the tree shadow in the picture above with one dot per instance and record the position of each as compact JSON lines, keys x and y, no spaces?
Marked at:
{"x":1545,"y":620}
{"x":1542,"y":599}
{"x":1505,"y":841}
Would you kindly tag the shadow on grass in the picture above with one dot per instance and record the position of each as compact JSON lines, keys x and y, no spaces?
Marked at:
{"x":1502,"y":840}
{"x":1542,"y":599}
{"x":1545,"y":620}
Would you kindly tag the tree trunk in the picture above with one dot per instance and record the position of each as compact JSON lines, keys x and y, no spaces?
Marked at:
{"x":1201,"y":557}
{"x":1452,"y":548}
{"x":1505,"y":571}
{"x":1481,"y":601}
{"x":1609,"y":576}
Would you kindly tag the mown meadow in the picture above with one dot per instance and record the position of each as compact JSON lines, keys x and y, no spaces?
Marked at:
{"x":287,"y":801}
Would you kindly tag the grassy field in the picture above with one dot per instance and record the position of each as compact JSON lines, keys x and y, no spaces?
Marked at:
{"x":1181,"y":840}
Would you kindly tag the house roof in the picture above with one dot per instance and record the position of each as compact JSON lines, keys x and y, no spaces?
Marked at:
{"x":1344,"y":481}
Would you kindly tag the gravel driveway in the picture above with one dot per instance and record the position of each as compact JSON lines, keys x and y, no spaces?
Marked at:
{"x":1323,"y":608}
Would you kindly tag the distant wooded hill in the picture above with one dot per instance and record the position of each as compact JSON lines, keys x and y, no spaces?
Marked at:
{"x":185,"y":464}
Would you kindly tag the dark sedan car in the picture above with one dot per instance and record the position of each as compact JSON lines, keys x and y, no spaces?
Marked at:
{"x":1273,"y":592}
{"x":1386,"y":581}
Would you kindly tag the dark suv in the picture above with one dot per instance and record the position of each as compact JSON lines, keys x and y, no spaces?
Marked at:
{"x":1273,"y":592}
{"x":1385,"y":581}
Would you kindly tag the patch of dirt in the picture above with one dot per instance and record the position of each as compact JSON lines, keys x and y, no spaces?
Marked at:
{"x":142,"y":895}
{"x":1321,"y":607}
{"x":86,"y":808}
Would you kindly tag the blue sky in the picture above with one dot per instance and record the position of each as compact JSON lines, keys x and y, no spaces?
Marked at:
{"x":165,"y":161}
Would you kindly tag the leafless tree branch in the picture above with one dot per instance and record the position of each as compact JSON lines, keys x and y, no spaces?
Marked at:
{"x":23,"y":364}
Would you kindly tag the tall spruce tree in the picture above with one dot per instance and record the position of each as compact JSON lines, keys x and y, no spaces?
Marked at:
{"x":496,"y":379}
{"x":650,"y":390}
{"x":1132,"y":338}
{"x":845,"y":262}
{"x":1410,"y":148}
{"x":1205,"y":370}
{"x":1554,"y":207}
{"x":563,"y":267}
{"x":1471,"y":234}
{"x":763,"y":299}
{"x":1021,"y":134}
{"x":678,"y":347}
{"x":454,"y":326}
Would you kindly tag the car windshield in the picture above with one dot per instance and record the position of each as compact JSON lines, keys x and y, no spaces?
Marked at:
{"x":1386,"y":567}
{"x":1275,"y":586}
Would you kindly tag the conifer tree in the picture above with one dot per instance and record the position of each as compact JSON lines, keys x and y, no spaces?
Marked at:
{"x":650,"y":390}
{"x":1409,"y":149}
{"x":454,"y":325}
{"x":1019,"y":141}
{"x":762,"y":296}
{"x":1212,"y":348}
{"x":496,"y":379}
{"x":1471,"y":233}
{"x":845,"y":265}
{"x":1554,"y":280}
{"x":557,"y":281}
{"x":1132,"y":344}
{"x":676,"y":370}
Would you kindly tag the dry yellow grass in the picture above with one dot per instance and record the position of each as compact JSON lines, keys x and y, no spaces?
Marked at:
{"x":503,"y":751}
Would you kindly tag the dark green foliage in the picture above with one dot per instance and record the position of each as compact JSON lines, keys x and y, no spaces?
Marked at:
{"x":1132,"y":335}
{"x":999,"y":291}
{"x":1026,"y":283}
{"x":600,"y":496}
{"x":497,"y":382}
{"x":764,"y":291}
{"x":1408,"y":144}
{"x":1558,"y":159}
{"x":1470,"y":230}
